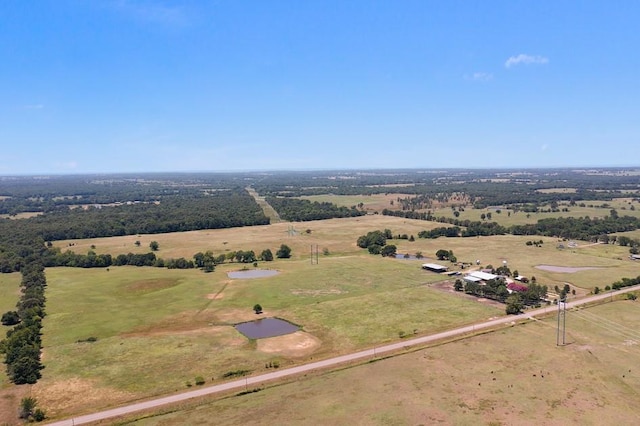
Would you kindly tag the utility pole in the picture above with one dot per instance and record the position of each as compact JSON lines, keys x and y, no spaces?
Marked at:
{"x":562,"y":314}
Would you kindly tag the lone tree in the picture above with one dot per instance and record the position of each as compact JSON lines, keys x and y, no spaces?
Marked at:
{"x":266,"y":255}
{"x":257,"y":308}
{"x":458,"y":286}
{"x":284,"y":252}
{"x":514,"y":304}
{"x":443,"y":254}
{"x":154,"y":246}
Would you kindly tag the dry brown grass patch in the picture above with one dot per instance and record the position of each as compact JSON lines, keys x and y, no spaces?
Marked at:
{"x":74,"y":395}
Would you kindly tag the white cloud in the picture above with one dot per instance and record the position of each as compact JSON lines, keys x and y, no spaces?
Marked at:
{"x":526,"y":60}
{"x":479,"y":76}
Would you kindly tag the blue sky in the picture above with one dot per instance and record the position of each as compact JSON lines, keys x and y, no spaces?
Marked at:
{"x":143,"y":86}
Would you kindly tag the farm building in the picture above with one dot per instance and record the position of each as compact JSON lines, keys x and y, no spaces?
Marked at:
{"x":434,"y":267}
{"x":634,"y":257}
{"x":479,"y":276}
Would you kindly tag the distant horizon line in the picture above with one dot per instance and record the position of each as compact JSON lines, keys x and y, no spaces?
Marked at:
{"x":338,"y":169}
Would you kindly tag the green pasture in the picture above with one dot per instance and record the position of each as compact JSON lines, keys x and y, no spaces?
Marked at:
{"x":631,"y":234}
{"x":103,"y":303}
{"x":516,"y":375}
{"x":9,"y":296}
{"x":9,"y":291}
{"x":150,"y":321}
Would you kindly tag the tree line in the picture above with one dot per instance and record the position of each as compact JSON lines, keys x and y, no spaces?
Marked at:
{"x":23,"y":344}
{"x":580,"y":228}
{"x":207,"y":260}
{"x":300,"y":210}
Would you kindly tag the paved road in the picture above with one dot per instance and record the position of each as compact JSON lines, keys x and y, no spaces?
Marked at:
{"x":244,"y":383}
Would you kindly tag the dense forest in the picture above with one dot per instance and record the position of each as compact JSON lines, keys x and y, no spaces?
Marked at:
{"x":297,"y":210}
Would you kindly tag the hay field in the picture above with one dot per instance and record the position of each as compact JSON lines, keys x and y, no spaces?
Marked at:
{"x":516,"y":375}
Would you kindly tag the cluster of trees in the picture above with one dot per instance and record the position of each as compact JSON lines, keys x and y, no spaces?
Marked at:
{"x":299,"y":210}
{"x":625,"y":282}
{"x":443,"y":231}
{"x":23,"y":343}
{"x":376,"y":243}
{"x":471,"y":228}
{"x":443,"y":254}
{"x":496,"y":289}
{"x":205,"y":261}
{"x":493,"y":289}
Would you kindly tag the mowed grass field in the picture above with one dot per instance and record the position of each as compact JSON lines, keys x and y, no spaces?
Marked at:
{"x":516,"y":375}
{"x":158,"y":329}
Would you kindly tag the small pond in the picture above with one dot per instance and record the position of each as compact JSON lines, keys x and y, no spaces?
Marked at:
{"x":403,"y":256}
{"x":252,"y":273}
{"x":266,"y":327}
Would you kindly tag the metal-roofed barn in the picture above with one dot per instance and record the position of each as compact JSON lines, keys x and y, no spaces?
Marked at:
{"x":434,"y":267}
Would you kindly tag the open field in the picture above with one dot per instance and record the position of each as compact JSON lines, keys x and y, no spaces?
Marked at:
{"x":506,"y":217}
{"x":631,"y":234}
{"x":338,"y":236}
{"x":516,"y":375}
{"x":22,"y":215}
{"x":373,"y":203}
{"x":150,"y":321}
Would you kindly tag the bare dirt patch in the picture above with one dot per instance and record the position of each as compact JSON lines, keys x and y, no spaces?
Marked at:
{"x":215,"y":296}
{"x":148,"y":286}
{"x":235,"y":316}
{"x":564,"y":269}
{"x":294,"y":345}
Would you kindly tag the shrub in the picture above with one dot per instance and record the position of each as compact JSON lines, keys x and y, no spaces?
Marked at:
{"x":199,"y":381}
{"x":39,"y":415}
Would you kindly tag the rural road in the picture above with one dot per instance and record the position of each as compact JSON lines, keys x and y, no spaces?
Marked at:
{"x":244,"y":383}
